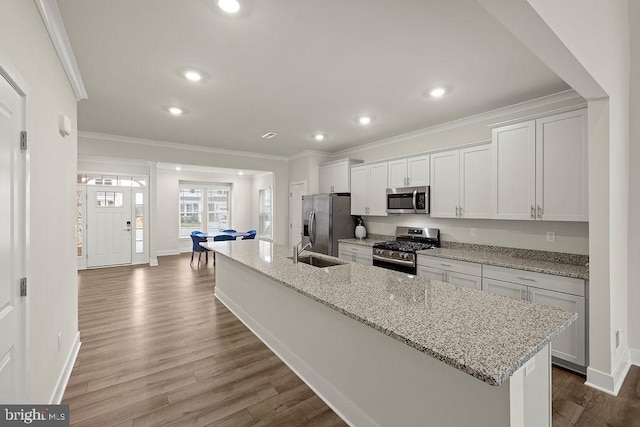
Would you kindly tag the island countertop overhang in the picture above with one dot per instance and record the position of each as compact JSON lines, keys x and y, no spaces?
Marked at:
{"x":484,"y":335}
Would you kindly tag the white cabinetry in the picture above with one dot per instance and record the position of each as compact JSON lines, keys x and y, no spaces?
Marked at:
{"x":540,"y":169}
{"x":554,"y":291}
{"x":355,"y":253}
{"x":369,"y":189}
{"x":461,"y":183}
{"x":413,"y":171}
{"x":335,"y":176}
{"x":460,"y":273}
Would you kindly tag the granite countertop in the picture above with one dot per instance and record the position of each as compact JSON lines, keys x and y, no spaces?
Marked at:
{"x":510,"y":261}
{"x":484,"y":335}
{"x":556,"y":263}
{"x":370,"y":240}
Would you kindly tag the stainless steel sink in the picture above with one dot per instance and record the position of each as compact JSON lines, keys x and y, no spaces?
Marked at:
{"x":318,"y":262}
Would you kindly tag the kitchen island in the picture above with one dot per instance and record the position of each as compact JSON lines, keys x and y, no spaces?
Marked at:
{"x":384,"y":348}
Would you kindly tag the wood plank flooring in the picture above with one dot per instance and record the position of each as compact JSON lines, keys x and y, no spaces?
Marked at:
{"x":159,"y":349}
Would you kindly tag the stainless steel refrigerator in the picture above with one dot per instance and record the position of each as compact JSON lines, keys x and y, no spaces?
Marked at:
{"x":325,"y":219}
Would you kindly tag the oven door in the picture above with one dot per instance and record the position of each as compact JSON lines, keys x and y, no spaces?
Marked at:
{"x":408,"y":200}
{"x":409,"y":269}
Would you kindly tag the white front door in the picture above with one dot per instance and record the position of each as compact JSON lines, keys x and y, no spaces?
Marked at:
{"x":296,"y":191}
{"x":12,"y":244}
{"x":109,"y":226}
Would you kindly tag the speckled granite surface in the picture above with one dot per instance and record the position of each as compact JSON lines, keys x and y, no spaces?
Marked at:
{"x":370,"y":240}
{"x":559,"y":264}
{"x":484,"y":335}
{"x":509,"y":261}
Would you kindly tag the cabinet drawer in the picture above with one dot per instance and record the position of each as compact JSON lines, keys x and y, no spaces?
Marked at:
{"x":356,"y":249}
{"x":464,"y":267}
{"x":550,"y":282}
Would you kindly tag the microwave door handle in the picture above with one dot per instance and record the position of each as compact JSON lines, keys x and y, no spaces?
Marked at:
{"x":415,"y":195}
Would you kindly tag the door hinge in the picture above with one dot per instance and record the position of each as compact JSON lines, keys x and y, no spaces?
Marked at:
{"x":23,"y":287}
{"x":23,"y":140}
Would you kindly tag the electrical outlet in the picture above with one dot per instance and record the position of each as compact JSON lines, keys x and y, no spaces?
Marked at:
{"x":59,"y":341}
{"x":529,"y":367}
{"x":474,"y":232}
{"x":551,"y":237}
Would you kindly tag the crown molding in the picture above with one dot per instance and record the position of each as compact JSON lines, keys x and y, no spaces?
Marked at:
{"x":112,"y":160}
{"x":489,"y":115}
{"x":52,"y":19}
{"x":175,"y":145}
{"x":310,"y":153}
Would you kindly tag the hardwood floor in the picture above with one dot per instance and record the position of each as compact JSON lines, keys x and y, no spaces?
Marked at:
{"x":159,"y":349}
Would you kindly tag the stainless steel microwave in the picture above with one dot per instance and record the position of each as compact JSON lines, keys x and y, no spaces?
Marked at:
{"x":408,"y":200}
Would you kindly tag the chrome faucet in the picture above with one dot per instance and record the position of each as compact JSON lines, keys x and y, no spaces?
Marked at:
{"x":296,"y":253}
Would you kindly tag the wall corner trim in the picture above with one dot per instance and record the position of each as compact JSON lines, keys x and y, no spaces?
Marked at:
{"x":63,"y":379}
{"x":50,"y":14}
{"x":608,"y":383}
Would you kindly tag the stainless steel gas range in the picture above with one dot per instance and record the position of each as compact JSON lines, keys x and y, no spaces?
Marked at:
{"x":400,"y":254}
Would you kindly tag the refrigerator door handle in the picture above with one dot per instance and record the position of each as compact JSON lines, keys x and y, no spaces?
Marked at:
{"x":312,"y":228}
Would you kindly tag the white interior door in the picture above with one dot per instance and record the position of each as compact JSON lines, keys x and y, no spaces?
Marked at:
{"x":296,"y":191}
{"x":109,"y":226}
{"x":12,"y":236}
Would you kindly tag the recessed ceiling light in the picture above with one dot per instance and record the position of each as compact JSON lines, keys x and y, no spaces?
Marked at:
{"x":229,"y":6}
{"x":178,"y":168}
{"x":437,"y":92}
{"x":269,"y":135}
{"x":194,"y":76}
{"x":319,"y":137}
{"x":175,"y":111}
{"x":364,"y":120}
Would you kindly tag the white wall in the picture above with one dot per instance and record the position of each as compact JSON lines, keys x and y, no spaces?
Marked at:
{"x":570,"y":236}
{"x":306,"y":167}
{"x":189,"y":155}
{"x":634,"y":180}
{"x":53,"y":297}
{"x":167,"y":218}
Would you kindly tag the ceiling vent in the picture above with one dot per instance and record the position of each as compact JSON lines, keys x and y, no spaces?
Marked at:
{"x":269,"y":135}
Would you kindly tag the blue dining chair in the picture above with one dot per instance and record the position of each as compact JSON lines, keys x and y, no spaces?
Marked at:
{"x":196,"y":239}
{"x":231,"y":230}
{"x":252,"y":235}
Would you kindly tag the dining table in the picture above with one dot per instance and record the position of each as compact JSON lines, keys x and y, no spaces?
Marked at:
{"x":234,"y":234}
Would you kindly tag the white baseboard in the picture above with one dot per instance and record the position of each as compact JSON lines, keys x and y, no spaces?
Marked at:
{"x":634,"y":356}
{"x":336,"y":400}
{"x":607,"y":383}
{"x":166,"y":252}
{"x":153,"y":262}
{"x":63,"y":379}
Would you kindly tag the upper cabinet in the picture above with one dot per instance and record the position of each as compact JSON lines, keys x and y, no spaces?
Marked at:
{"x":461,"y":183}
{"x":369,"y":189}
{"x":413,"y":171}
{"x":335,"y":177}
{"x":540,"y":169}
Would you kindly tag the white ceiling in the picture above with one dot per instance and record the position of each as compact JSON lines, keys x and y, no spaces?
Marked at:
{"x":293,"y":67}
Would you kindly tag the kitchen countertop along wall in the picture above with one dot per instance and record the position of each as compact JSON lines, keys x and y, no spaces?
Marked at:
{"x":556,"y":263}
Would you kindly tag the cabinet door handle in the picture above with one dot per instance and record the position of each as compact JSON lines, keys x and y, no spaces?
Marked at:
{"x":408,"y":180}
{"x":460,"y":210}
{"x":528,"y":279}
{"x":533,"y":212}
{"x":523,"y":296}
{"x":445,"y":265}
{"x":540,"y":212}
{"x":444,"y":276}
{"x":456,"y":211}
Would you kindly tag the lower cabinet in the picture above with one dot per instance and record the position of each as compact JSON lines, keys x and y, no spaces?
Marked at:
{"x":355,"y":253}
{"x":459,"y":273}
{"x":554,"y":291}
